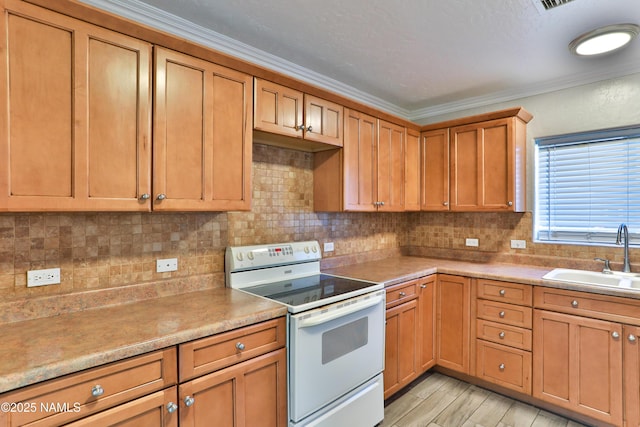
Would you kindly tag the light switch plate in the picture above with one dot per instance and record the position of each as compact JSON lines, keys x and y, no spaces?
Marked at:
{"x":518,"y":244}
{"x":328,"y":247}
{"x":471,"y":242}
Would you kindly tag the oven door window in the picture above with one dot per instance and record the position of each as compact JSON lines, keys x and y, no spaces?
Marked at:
{"x":344,"y":339}
{"x":333,"y":351}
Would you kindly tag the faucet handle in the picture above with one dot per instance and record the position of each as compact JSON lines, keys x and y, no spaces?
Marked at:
{"x":607,"y":266}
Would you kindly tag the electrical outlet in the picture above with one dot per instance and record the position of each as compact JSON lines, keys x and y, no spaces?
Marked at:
{"x":49,"y":276}
{"x":518,"y":244}
{"x":471,"y":242}
{"x":328,"y":247}
{"x":164,"y":265}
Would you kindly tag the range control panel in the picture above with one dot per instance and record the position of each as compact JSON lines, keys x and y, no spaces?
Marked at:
{"x":262,"y":256}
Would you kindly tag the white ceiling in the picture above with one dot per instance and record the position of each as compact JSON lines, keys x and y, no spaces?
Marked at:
{"x":412,"y":58}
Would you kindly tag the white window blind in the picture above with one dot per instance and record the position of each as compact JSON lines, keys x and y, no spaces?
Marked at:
{"x":587,"y":185}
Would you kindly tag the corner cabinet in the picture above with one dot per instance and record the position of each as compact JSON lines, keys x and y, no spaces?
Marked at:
{"x":75,"y":114}
{"x":474,"y":165}
{"x":453,"y":308}
{"x":202,"y":135}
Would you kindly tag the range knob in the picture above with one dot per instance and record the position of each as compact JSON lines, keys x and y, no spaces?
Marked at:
{"x":314,"y":249}
{"x":239,"y":256}
{"x":250,"y":255}
{"x":306,"y":249}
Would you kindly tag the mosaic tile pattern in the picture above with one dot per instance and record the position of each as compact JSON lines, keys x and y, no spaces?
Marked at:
{"x":111,"y":250}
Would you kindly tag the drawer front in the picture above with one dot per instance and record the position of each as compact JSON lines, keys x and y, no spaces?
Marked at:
{"x":508,"y":367}
{"x":509,"y":314}
{"x":511,"y":336}
{"x":397,"y":294}
{"x":514,"y":293}
{"x":616,"y":309}
{"x":210,"y":354}
{"x":120,"y":382}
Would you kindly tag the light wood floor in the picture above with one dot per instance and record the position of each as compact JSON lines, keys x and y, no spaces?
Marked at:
{"x":441,"y":401}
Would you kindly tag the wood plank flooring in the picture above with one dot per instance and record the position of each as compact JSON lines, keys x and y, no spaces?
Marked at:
{"x":441,"y":401}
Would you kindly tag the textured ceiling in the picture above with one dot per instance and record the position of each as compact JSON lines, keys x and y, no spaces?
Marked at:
{"x":416,"y":57}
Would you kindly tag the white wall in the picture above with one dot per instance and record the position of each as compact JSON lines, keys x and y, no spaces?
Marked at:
{"x":605,"y":104}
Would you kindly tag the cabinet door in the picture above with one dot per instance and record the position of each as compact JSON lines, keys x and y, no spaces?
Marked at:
{"x":323,"y":121}
{"x":390,"y":164}
{"x":482,"y":166}
{"x":435,"y":170}
{"x":577,"y":364}
{"x":277,"y":109}
{"x":401,"y":339}
{"x":453,"y":305}
{"x":360,"y":177}
{"x":202,"y":135}
{"x":631,"y":334}
{"x":251,"y":393}
{"x":427,"y":310}
{"x":75,"y":114}
{"x":149,"y":411}
{"x":412,"y":171}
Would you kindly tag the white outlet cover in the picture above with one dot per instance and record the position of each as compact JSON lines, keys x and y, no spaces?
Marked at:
{"x":518,"y":244}
{"x":168,"y":264}
{"x":472,"y":242}
{"x":328,"y":247}
{"x":48,"y":276}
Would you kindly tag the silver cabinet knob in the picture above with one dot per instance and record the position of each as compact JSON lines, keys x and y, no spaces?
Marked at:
{"x":502,"y":292}
{"x":445,"y":203}
{"x":501,"y":335}
{"x":574,"y":303}
{"x":501,"y":314}
{"x":509,"y":203}
{"x":615,"y":335}
{"x":172,"y":407}
{"x":161,"y":196}
{"x":300,"y":127}
{"x":189,"y":400}
{"x":97,"y":390}
{"x":402,"y":294}
{"x":632,"y":338}
{"x":145,"y":196}
{"x":423,"y":286}
{"x":501,"y":367}
{"x":309,"y":129}
{"x":240,"y":346}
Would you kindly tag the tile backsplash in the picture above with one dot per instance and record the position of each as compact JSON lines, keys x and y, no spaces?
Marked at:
{"x":110,"y":250}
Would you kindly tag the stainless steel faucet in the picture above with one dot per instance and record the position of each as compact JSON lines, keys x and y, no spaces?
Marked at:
{"x":622,"y":229}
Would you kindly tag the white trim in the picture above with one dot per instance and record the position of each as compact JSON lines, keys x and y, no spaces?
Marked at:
{"x":156,"y":18}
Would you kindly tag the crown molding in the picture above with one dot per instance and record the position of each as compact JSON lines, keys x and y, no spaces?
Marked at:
{"x":156,"y":18}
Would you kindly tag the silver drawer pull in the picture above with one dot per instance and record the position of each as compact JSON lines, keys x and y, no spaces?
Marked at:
{"x":402,"y":294}
{"x":501,"y":335}
{"x":615,"y":335}
{"x":574,"y":304}
{"x":632,"y":338}
{"x":501,"y":367}
{"x":97,"y":390}
{"x":240,"y":346}
{"x":189,"y":400}
{"x":172,"y":407}
{"x":502,"y":292}
{"x":423,"y":286}
{"x":501,"y":314}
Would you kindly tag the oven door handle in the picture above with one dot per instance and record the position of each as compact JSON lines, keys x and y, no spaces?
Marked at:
{"x":340,"y":312}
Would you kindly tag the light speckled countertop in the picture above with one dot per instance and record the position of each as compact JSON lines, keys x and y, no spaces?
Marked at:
{"x":48,"y":347}
{"x":40,"y":349}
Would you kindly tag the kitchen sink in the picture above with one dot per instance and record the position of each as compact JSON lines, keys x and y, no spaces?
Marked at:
{"x":614,"y":279}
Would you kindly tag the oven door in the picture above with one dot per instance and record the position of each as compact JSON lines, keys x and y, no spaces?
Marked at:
{"x":333,"y":350}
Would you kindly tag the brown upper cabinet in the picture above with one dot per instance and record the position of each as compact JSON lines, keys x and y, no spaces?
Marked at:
{"x":368,"y":173}
{"x":76,"y":118}
{"x":412,"y":171}
{"x":287,"y":112}
{"x":202,"y":135}
{"x":75,"y":114}
{"x":476,"y":166}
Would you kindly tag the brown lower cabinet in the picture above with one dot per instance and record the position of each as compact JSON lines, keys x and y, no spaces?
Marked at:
{"x":236,"y":379}
{"x":453,"y":311}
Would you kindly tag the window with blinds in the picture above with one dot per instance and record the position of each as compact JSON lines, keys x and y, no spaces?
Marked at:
{"x":587,"y":184}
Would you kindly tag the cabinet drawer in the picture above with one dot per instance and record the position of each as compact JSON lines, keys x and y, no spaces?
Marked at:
{"x":120,"y":382}
{"x":505,"y":313}
{"x":398,"y":294}
{"x":514,"y":293}
{"x":222,"y":350}
{"x":512,"y":336}
{"x":506,"y":366}
{"x":617,"y":309}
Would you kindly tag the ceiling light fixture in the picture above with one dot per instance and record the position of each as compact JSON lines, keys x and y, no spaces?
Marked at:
{"x":604,"y":39}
